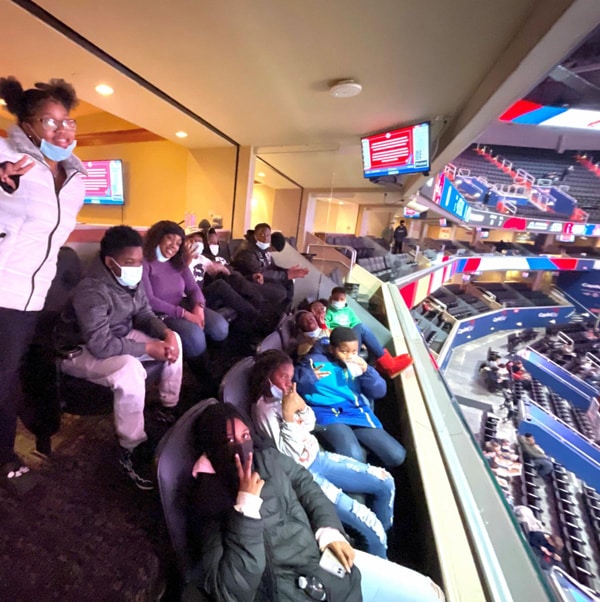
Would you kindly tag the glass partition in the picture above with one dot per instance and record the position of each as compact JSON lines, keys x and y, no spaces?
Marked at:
{"x":504,"y":560}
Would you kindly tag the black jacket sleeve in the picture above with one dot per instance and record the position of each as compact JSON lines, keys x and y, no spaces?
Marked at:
{"x":230,"y":550}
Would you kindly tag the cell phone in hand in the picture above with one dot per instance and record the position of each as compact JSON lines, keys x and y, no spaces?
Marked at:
{"x":331,"y":564}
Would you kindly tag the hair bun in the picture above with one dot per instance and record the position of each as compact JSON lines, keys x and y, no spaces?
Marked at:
{"x":12,"y":93}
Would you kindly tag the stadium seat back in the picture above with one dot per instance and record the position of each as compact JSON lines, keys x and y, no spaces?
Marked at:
{"x":175,"y":459}
{"x":235,"y":386}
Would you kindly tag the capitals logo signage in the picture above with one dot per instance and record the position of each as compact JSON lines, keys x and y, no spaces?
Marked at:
{"x":584,"y":287}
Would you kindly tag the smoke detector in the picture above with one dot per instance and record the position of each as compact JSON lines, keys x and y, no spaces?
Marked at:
{"x":345,"y":88}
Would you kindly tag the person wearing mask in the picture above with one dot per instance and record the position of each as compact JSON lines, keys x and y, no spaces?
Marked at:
{"x":309,"y":332}
{"x":174,"y":294}
{"x":253,"y":259}
{"x":213,"y":278}
{"x":259,"y":526}
{"x":341,"y":388}
{"x":41,"y":192}
{"x":400,"y":233}
{"x":119,"y":331}
{"x":340,"y":314}
{"x":281,"y":415}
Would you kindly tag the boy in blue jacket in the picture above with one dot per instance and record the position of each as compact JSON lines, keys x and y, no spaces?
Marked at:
{"x":340,"y":387}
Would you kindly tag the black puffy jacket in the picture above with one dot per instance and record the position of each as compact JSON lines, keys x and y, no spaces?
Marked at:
{"x":243,"y":559}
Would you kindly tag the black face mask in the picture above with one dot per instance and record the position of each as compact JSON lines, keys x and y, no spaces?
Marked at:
{"x":243,"y":450}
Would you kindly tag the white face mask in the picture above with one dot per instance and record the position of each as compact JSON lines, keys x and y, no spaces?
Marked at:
{"x":313,"y":334}
{"x":130,"y":276}
{"x":354,"y":369}
{"x":159,"y":255}
{"x":276,"y":392}
{"x":338,"y":304}
{"x":214,"y":249}
{"x":263,"y":246}
{"x":197,"y":248}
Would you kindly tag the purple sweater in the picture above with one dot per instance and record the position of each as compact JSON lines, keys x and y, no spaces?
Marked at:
{"x":166,"y":287}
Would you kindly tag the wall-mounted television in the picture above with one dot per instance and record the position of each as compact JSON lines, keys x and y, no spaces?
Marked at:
{"x":411,"y":213}
{"x":484,"y":233}
{"x":443,"y":222}
{"x":104,"y":182}
{"x":393,"y":152}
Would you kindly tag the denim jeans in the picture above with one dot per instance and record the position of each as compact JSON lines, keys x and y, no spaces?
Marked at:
{"x":385,"y":581}
{"x":349,"y":441}
{"x":366,"y":336}
{"x":193,"y":338}
{"x":543,"y":466}
{"x":339,"y":475}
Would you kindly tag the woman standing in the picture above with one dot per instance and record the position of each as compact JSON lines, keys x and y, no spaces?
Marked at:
{"x":173,"y":292}
{"x":41,"y":193}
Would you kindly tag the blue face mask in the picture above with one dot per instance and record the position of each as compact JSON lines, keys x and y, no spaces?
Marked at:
{"x":160,"y":256}
{"x":57,"y":153}
{"x":338,"y":304}
{"x":276,"y":392}
{"x":313,"y":334}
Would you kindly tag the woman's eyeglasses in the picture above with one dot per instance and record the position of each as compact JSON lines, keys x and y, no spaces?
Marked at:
{"x":50,"y":124}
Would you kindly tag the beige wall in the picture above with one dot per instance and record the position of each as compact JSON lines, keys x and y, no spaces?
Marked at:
{"x":210,"y":183}
{"x":286,"y":207}
{"x":263,"y":198}
{"x":155,"y":175}
{"x":333,"y":217}
{"x":164,"y":180}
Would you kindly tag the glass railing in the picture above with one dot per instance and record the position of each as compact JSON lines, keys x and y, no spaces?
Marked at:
{"x":505,"y":563}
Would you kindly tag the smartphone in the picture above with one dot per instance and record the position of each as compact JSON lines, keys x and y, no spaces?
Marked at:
{"x":331,"y":564}
{"x":68,"y":353}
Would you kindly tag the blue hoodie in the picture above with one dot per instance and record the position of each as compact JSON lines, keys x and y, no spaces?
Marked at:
{"x":339,"y":397}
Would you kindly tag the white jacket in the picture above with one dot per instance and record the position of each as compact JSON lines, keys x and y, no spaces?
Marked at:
{"x":35,"y":222}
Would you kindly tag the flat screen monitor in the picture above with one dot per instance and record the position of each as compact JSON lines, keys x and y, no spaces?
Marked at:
{"x":408,"y":212}
{"x":104,"y":182}
{"x":402,"y":151}
{"x":566,"y":237}
{"x":484,"y":234}
{"x":443,"y":222}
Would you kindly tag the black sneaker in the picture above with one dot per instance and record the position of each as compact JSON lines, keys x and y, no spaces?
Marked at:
{"x":136,"y":468}
{"x":166,"y":415}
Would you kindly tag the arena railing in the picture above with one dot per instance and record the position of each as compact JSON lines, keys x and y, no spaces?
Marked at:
{"x":480,"y":548}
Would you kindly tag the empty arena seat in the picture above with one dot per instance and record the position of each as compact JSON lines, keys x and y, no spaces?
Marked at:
{"x":271,"y":341}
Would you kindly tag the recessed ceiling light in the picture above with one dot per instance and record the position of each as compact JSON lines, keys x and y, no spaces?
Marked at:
{"x":261,"y":174}
{"x":345,"y":88}
{"x":181,"y":134}
{"x":104,"y":89}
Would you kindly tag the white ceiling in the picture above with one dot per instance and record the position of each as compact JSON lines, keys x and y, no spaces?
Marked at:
{"x":259,"y":71}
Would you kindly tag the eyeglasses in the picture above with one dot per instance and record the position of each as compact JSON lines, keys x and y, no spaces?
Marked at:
{"x":50,"y":124}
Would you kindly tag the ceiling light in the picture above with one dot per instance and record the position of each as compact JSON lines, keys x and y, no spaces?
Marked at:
{"x":181,"y":134}
{"x":261,"y":174}
{"x":345,"y":89}
{"x":2,"y":102}
{"x":104,"y":89}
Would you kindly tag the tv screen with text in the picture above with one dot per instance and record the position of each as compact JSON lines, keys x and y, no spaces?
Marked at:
{"x":402,"y":151}
{"x":104,"y":182}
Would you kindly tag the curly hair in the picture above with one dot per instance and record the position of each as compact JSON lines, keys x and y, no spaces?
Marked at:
{"x":24,"y":104}
{"x":264,"y":365}
{"x":117,"y":238}
{"x":155,"y":235}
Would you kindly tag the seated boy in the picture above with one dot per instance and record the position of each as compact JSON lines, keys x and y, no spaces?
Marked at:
{"x":119,"y":332}
{"x":339,"y":314}
{"x":340,"y":387}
